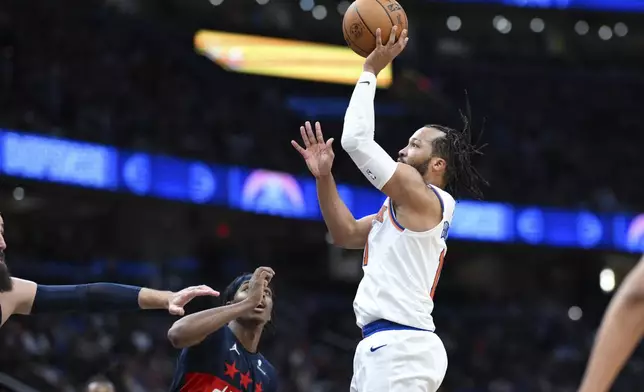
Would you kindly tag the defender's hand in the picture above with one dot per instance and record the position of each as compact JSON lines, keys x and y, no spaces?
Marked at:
{"x":382,"y":55}
{"x":176,"y":301}
{"x":317,"y":154}
{"x":258,"y":284}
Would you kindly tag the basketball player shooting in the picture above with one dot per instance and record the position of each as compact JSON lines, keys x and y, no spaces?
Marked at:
{"x":220,"y":344}
{"x":620,"y":332}
{"x":404,"y":243}
{"x":19,"y":296}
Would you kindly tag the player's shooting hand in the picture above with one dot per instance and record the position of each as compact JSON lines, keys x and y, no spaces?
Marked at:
{"x":178,"y":300}
{"x":385,"y":54}
{"x":317,"y":154}
{"x":258,"y":284}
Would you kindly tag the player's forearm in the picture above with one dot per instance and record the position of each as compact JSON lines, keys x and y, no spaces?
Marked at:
{"x":358,"y":134}
{"x":339,"y":220}
{"x":193,"y":329}
{"x":621,"y":330}
{"x":96,"y":297}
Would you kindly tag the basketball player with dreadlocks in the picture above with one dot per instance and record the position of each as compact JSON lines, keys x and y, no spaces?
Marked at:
{"x":220,"y":344}
{"x":404,"y":243}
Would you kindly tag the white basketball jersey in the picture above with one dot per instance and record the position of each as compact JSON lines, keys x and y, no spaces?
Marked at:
{"x":401,"y":269}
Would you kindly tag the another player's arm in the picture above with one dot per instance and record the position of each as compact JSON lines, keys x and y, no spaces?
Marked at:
{"x":620,"y":332}
{"x":346,"y":231}
{"x":30,"y":298}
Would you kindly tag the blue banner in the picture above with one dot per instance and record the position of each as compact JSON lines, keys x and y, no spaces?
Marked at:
{"x":262,"y":191}
{"x":595,"y":5}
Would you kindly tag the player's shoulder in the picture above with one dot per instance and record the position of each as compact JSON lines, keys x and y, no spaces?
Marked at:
{"x":446,"y":200}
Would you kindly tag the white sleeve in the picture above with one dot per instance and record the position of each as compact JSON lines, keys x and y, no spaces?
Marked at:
{"x":358,"y":134}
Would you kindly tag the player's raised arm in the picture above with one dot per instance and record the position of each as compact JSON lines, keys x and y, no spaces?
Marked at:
{"x":620,"y":332}
{"x":193,"y":329}
{"x":31,"y":298}
{"x":399,"y":181}
{"x":346,"y":231}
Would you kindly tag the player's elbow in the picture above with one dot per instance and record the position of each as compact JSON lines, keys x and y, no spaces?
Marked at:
{"x":349,"y":142}
{"x":178,"y":337}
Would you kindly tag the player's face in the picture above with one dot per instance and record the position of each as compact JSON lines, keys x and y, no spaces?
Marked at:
{"x":262,"y":313}
{"x":418,"y":152}
{"x":5,"y":276}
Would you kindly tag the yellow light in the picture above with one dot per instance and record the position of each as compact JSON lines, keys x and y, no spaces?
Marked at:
{"x":284,"y":58}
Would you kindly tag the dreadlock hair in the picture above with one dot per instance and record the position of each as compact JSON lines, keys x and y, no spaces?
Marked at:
{"x":457,"y":148}
{"x":229,"y":295}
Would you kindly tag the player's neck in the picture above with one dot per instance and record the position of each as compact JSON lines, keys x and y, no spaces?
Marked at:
{"x":437,"y":182}
{"x":248,"y":335}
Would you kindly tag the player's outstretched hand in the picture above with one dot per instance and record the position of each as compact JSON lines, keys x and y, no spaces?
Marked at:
{"x":382,"y":55}
{"x":178,"y":300}
{"x":317,"y":154}
{"x":258,"y":284}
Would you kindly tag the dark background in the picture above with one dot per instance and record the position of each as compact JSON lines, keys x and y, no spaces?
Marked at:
{"x":562,"y":118}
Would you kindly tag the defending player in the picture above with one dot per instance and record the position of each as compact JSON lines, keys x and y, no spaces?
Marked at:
{"x":18,"y":296}
{"x":404,"y":243}
{"x":620,"y":332}
{"x":220,"y":344}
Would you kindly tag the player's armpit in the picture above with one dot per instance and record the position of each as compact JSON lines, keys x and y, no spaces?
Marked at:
{"x":357,"y":238}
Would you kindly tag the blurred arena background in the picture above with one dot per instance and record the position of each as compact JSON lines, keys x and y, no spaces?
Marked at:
{"x":141,"y":145}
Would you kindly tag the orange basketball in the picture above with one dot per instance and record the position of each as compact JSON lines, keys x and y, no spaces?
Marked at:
{"x":363,"y":18}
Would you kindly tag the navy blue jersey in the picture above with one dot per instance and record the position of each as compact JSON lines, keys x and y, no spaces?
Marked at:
{"x":221,"y":364}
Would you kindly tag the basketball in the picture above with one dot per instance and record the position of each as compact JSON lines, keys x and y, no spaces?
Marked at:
{"x":362,"y":19}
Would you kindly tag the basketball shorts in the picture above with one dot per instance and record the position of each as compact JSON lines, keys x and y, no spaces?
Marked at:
{"x":399,"y":360}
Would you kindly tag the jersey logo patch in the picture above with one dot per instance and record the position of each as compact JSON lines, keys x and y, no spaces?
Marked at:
{"x":445,"y":230}
{"x":373,"y":349}
{"x":234,"y":348}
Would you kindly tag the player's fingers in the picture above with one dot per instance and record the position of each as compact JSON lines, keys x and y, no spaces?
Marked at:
{"x":329,"y":142}
{"x":392,"y":36}
{"x":305,"y":138}
{"x":402,"y":41}
{"x":207,"y":290}
{"x":309,"y":133}
{"x":318,"y":132}
{"x":378,"y":38}
{"x":177,"y":311}
{"x":297,"y":147}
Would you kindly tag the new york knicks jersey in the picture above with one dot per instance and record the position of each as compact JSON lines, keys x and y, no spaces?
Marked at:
{"x":402,"y":268}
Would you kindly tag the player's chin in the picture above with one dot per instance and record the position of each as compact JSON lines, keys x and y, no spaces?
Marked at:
{"x":257,"y":316}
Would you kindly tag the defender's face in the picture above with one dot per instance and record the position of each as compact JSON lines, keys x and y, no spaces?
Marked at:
{"x":262,"y":313}
{"x":418,"y":152}
{"x":5,"y":276}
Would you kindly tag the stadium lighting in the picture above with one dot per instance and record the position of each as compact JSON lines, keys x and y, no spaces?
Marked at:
{"x":18,"y":193}
{"x":607,"y":280}
{"x":319,"y":12}
{"x":620,"y":29}
{"x":307,"y":5}
{"x":343,"y":6}
{"x":537,"y":25}
{"x":605,"y":33}
{"x":575,"y":313}
{"x":582,"y":27}
{"x":454,"y":23}
{"x":503,"y":25}
{"x":216,"y":2}
{"x":262,"y":2}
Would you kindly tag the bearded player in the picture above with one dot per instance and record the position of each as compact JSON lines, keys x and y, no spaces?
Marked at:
{"x":220,"y":345}
{"x":404,"y":243}
{"x":19,"y":296}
